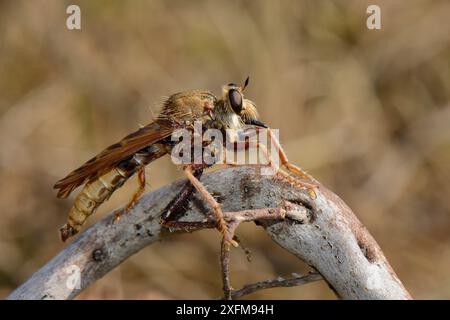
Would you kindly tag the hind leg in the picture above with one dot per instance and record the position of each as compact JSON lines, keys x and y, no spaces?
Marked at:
{"x":138,"y":193}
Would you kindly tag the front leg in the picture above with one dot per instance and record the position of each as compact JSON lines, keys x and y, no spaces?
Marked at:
{"x":309,"y":185}
{"x":285,"y":176}
{"x":285,"y":162}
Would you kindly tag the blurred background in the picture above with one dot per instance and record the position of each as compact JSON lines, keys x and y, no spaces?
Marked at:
{"x":367,"y":112}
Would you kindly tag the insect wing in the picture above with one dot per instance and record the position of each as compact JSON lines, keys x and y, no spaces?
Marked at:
{"x":111,"y":156}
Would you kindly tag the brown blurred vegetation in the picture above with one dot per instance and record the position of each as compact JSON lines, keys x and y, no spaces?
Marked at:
{"x":366,"y":112}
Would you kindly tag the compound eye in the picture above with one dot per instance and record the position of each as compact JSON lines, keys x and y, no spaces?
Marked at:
{"x":235,"y":98}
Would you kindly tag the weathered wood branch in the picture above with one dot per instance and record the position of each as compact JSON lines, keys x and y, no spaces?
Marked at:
{"x":323,"y":232}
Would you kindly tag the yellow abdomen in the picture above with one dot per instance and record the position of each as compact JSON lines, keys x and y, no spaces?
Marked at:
{"x":90,"y":198}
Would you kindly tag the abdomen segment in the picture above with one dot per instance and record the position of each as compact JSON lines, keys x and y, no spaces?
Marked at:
{"x":99,"y":190}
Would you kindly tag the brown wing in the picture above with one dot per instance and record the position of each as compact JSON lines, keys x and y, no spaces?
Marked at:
{"x":112,"y":155}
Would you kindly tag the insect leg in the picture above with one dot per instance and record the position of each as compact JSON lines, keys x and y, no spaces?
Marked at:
{"x":285,"y":162}
{"x":137,"y":164}
{"x":301,"y":184}
{"x":136,"y":195}
{"x":175,"y":209}
{"x":221,"y":224}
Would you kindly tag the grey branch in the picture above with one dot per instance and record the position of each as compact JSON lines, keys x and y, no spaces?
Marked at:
{"x":274,"y":283}
{"x":323,"y":232}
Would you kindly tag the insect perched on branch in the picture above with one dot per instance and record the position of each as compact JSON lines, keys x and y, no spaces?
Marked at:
{"x":109,"y":170}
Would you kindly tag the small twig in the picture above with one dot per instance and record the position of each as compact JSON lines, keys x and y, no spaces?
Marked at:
{"x":234,"y":219}
{"x":247,"y":251}
{"x":225,"y":264}
{"x":275,"y":283}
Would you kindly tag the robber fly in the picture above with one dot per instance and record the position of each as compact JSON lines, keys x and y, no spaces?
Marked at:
{"x":110,"y":169}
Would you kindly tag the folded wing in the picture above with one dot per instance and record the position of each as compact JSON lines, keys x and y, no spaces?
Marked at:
{"x":111,"y":156}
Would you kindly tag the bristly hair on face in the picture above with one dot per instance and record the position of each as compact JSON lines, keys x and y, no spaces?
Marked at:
{"x":249,"y":111}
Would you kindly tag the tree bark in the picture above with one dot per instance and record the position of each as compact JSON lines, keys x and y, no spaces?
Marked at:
{"x":323,"y":232}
